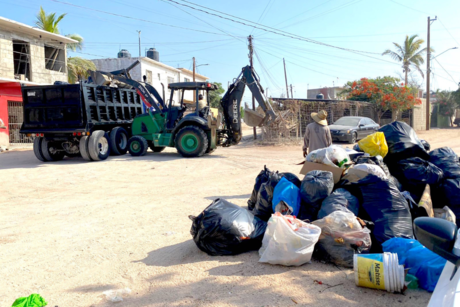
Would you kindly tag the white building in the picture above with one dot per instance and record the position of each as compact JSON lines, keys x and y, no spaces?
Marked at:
{"x":156,"y":74}
{"x":328,"y":92}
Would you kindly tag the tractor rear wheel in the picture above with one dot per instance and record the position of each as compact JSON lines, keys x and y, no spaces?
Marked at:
{"x":191,"y":141}
{"x":137,"y":145}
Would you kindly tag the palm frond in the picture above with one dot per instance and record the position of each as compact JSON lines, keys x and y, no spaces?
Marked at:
{"x":75,"y":46}
{"x":78,"y":68}
{"x":393,"y":54}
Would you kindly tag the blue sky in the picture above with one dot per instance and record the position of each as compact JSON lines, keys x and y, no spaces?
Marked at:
{"x":180,"y":33}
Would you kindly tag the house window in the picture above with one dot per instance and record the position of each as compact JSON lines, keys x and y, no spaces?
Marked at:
{"x":170,"y":80}
{"x":55,"y":59}
{"x":186,"y":80}
{"x":21,"y":57}
{"x":149,"y":76}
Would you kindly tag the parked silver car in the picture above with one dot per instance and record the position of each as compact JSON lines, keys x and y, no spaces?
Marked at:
{"x":352,"y":128}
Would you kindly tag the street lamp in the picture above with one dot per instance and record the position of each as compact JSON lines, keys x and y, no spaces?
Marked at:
{"x":444,"y":52}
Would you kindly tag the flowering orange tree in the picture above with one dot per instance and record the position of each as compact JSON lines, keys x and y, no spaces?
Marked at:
{"x":385,"y":94}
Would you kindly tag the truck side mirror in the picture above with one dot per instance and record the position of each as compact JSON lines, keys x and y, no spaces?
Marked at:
{"x":438,"y":235}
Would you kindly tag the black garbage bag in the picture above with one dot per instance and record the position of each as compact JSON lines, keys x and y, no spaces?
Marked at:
{"x":402,"y":142}
{"x":378,"y":160}
{"x":227,"y":229}
{"x":382,"y":203}
{"x":356,"y":148}
{"x":339,"y":200}
{"x":414,"y":174}
{"x":447,"y":160}
{"x":292,"y":178}
{"x":316,"y":186}
{"x":263,"y":208}
{"x":260,"y":179}
{"x":447,"y":193}
{"x":426,"y":145}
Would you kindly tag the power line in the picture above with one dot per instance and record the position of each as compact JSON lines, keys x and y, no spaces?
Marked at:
{"x":410,"y":8}
{"x":446,"y":71}
{"x":134,"y":18}
{"x":266,"y":28}
{"x":159,"y":43}
{"x":449,"y":33}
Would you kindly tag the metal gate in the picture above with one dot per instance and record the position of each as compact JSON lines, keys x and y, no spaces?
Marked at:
{"x":15,"y":119}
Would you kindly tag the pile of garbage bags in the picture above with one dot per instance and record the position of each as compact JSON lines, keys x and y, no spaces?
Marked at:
{"x":369,"y":208}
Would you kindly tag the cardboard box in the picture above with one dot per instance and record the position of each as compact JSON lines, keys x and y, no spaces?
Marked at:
{"x":310,"y":166}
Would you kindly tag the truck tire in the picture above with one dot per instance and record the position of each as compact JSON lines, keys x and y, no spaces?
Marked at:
{"x":191,"y":141}
{"x":156,"y":148}
{"x":84,"y":148}
{"x":98,"y":145}
{"x":119,"y":141}
{"x":137,"y":146}
{"x":48,"y":151}
{"x":38,"y":149}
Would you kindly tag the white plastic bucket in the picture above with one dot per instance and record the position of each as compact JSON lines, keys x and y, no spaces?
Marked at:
{"x":379,"y":271}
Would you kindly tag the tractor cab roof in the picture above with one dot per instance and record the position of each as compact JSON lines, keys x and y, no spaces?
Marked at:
{"x":193,"y":86}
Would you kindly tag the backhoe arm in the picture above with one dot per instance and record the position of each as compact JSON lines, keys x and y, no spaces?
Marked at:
{"x":231,"y":105}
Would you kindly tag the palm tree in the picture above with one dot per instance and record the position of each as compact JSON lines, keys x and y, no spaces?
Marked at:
{"x":77,"y":66}
{"x":409,"y":54}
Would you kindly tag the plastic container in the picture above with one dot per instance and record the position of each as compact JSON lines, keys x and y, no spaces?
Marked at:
{"x":379,"y":271}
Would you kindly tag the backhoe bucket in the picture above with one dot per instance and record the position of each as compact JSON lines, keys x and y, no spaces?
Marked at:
{"x":252,"y":118}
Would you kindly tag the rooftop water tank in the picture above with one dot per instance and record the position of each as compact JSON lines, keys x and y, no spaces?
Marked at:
{"x":153,"y":54}
{"x":123,"y":53}
{"x":320,"y":96}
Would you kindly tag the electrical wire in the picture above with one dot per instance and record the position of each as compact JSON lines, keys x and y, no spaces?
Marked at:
{"x":453,"y":80}
{"x":410,"y":8}
{"x":134,"y":18}
{"x":261,"y":15}
{"x":266,"y":28}
{"x":449,"y":33}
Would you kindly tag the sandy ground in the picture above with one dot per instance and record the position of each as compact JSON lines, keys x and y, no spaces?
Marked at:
{"x":70,"y":230}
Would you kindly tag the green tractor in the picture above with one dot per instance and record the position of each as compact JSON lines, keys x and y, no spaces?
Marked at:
{"x":195,"y":133}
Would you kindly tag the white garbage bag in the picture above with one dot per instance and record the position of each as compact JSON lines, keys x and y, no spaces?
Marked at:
{"x":333,"y":155}
{"x":371,"y":169}
{"x":288,"y":241}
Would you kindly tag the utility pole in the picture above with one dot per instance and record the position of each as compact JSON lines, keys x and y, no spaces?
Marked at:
{"x":194,"y":92}
{"x":251,"y":50}
{"x":139,"y":32}
{"x":428,"y":72}
{"x":292,"y":96}
{"x":285,"y":78}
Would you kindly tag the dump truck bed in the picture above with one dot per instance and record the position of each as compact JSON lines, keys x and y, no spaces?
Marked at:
{"x":77,"y":107}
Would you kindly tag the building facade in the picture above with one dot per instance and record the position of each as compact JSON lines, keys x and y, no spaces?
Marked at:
{"x":328,"y":92}
{"x":157,"y":74}
{"x":28,"y":56}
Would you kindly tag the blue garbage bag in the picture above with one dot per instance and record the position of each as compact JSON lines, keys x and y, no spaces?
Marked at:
{"x":421,"y":262}
{"x":286,"y":198}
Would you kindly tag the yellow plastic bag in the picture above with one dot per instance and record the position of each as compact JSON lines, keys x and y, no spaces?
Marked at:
{"x":374,"y":144}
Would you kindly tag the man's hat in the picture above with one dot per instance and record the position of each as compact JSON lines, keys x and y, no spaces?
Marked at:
{"x":320,"y":117}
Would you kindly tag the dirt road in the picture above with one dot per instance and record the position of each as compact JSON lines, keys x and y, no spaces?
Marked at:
{"x":71,"y":230}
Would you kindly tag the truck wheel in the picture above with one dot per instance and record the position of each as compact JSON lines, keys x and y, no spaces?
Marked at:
{"x":137,"y":146}
{"x":119,"y":141}
{"x":98,"y":145}
{"x":191,"y":141}
{"x":38,"y":149}
{"x":84,"y":148}
{"x":156,"y":148}
{"x":49,"y":151}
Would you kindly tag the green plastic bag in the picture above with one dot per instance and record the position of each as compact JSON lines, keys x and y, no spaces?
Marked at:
{"x":374,"y":144}
{"x":33,"y":300}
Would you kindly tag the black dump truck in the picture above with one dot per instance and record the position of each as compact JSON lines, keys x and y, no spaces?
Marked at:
{"x":79,"y":119}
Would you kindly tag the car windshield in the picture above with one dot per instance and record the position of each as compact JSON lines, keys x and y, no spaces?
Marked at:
{"x":344,"y":121}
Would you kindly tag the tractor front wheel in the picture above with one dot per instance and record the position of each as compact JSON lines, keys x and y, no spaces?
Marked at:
{"x":191,"y":141}
{"x":137,"y":145}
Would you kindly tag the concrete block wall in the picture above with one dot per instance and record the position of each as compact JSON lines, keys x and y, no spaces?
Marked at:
{"x":419,"y":116}
{"x":39,"y":73}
